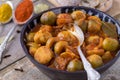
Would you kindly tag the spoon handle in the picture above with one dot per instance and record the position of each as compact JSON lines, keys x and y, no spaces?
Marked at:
{"x":91,"y":73}
{"x":3,"y":44}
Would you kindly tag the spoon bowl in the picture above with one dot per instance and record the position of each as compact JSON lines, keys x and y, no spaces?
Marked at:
{"x":21,"y":23}
{"x":18,"y":22}
{"x":11,"y":5}
{"x":78,"y":33}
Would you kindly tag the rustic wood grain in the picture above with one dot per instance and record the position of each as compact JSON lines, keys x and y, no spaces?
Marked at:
{"x":115,"y":9}
{"x":54,"y":2}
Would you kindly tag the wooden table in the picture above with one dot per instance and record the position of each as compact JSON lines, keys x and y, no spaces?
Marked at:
{"x":30,"y":72}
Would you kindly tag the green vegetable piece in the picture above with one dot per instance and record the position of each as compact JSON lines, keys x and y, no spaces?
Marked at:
{"x":109,"y":29}
{"x":74,"y":65}
{"x":93,"y":26}
{"x":48,"y":18}
{"x":110,"y":44}
{"x":95,"y":60}
{"x":107,"y":57}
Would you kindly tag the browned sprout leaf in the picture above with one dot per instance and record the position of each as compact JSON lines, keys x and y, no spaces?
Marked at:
{"x":109,"y":29}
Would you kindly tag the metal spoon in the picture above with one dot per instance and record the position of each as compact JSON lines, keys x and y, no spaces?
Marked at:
{"x":4,"y":43}
{"x":91,"y":73}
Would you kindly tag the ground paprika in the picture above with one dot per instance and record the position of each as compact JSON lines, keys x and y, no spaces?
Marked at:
{"x":24,"y":10}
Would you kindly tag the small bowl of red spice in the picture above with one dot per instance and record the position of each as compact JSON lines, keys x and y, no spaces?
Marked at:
{"x":23,"y":12}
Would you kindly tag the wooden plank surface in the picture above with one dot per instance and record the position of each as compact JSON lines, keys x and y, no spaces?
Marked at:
{"x":14,"y":47}
{"x":113,"y":11}
{"x":32,"y":73}
{"x":54,"y":2}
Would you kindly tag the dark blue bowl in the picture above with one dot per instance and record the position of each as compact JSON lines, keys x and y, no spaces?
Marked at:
{"x":64,"y":75}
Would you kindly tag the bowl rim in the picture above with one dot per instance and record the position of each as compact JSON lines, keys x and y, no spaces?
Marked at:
{"x":61,"y":71}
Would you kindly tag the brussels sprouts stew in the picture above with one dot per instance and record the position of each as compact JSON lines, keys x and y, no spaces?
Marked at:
{"x":51,"y":44}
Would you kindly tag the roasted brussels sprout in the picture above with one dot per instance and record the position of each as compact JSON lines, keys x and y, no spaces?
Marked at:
{"x":43,"y":55}
{"x":94,"y":24}
{"x":30,"y":37}
{"x":110,"y":44}
{"x":95,"y":60}
{"x":60,"y":46}
{"x":48,"y":18}
{"x":74,"y":65}
{"x":76,"y":15}
{"x":64,"y":19}
{"x":42,"y":37}
{"x":107,"y":57}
